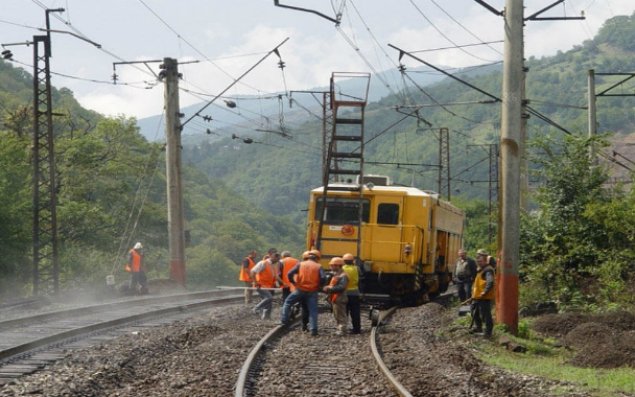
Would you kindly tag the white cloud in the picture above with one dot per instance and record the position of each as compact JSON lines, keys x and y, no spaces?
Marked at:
{"x":236,"y":35}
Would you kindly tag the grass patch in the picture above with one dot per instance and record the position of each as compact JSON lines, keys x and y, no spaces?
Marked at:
{"x":548,"y":362}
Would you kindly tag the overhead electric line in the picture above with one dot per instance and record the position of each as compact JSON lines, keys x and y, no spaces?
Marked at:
{"x":444,"y":35}
{"x":235,"y":81}
{"x":482,"y":42}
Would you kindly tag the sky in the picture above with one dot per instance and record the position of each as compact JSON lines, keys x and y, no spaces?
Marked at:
{"x":215,"y":42}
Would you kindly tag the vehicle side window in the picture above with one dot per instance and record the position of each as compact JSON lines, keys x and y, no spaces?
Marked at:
{"x":388,"y":214}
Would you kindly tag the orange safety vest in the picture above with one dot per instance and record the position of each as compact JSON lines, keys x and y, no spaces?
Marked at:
{"x":288,"y":263}
{"x":479,"y":286}
{"x":334,"y":295}
{"x":267,"y":277}
{"x":244,"y":273}
{"x":308,"y":277}
{"x":137,"y":260}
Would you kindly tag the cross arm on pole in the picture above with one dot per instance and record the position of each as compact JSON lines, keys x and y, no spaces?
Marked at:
{"x":489,"y":7}
{"x":72,"y":34}
{"x":534,"y":16}
{"x":604,"y":93}
{"x":402,"y":52}
{"x":334,"y":20}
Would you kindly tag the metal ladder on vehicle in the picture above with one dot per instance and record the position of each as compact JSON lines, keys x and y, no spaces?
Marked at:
{"x":344,"y":161}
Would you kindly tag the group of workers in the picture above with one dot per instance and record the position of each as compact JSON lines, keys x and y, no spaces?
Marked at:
{"x":300,"y":282}
{"x":475,"y":281}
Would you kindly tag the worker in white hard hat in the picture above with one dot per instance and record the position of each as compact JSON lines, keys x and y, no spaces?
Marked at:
{"x":138,"y":280}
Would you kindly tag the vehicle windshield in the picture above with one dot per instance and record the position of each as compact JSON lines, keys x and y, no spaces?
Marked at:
{"x":340,"y":211}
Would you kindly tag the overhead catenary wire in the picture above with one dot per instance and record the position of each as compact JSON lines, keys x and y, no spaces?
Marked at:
{"x":180,"y":37}
{"x":374,"y":38}
{"x":444,"y":35}
{"x":482,"y":42}
{"x":144,"y":185}
{"x":235,"y":81}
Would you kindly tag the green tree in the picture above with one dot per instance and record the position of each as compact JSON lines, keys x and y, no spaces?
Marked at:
{"x":570,"y":245}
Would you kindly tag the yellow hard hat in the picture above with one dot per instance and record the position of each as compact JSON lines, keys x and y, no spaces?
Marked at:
{"x":305,"y":255}
{"x":336,"y":261}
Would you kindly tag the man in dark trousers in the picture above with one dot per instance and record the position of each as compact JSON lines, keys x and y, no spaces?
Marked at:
{"x":138,"y":280}
{"x":307,"y":277}
{"x":352,"y":292}
{"x":483,"y":293}
{"x":463,"y":275}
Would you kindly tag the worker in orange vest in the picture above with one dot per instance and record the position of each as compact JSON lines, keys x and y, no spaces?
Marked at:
{"x":247,"y":264}
{"x":288,"y":263}
{"x":266,"y":274}
{"x":138,"y":280}
{"x":307,"y":277}
{"x":337,"y":293}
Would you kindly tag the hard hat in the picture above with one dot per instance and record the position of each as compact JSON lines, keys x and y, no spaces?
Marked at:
{"x":285,"y":254}
{"x":336,"y":261}
{"x":305,"y":255}
{"x":315,"y":253}
{"x":138,"y":246}
{"x":482,"y":252}
{"x":348,"y":257}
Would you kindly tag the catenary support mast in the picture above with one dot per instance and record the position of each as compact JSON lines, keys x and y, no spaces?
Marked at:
{"x":510,"y":150}
{"x":176,"y":232}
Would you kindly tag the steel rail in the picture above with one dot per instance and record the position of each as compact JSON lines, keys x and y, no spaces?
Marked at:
{"x":62,"y":336}
{"x":20,"y":321}
{"x":374,"y":334}
{"x":241,"y":383}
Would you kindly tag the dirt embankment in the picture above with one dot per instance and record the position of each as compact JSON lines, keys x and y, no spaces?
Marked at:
{"x":599,"y":341}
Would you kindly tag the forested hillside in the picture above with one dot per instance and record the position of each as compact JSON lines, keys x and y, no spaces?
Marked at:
{"x":111,"y":193}
{"x":250,"y":191}
{"x":574,"y":250}
{"x":276,"y":172}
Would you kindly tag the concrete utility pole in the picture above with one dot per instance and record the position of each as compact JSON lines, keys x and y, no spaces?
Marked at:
{"x":592,"y":112}
{"x":176,"y":232}
{"x":510,"y":146}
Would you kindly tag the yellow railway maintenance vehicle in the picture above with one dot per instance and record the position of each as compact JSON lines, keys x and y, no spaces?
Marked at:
{"x":404,"y":238}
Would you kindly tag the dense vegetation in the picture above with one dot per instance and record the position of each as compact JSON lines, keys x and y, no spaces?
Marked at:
{"x":111,"y":193}
{"x":240,"y":196}
{"x":577,"y":246}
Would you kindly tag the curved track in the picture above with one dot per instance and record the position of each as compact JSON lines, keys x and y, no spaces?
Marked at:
{"x":325,"y":368}
{"x":290,"y":362}
{"x":374,"y":336}
{"x":30,"y":343}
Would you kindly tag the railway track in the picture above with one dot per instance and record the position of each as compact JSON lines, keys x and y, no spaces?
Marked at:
{"x":28,"y":344}
{"x":259,"y":376}
{"x":376,"y":351}
{"x":341,"y":359}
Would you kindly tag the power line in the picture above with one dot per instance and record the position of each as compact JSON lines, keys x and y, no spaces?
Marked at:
{"x":467,"y":30}
{"x":444,"y":35}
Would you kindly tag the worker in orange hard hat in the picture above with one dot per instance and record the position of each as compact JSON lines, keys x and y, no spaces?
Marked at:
{"x":353,"y":307}
{"x":307,"y":277}
{"x":337,"y":293}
